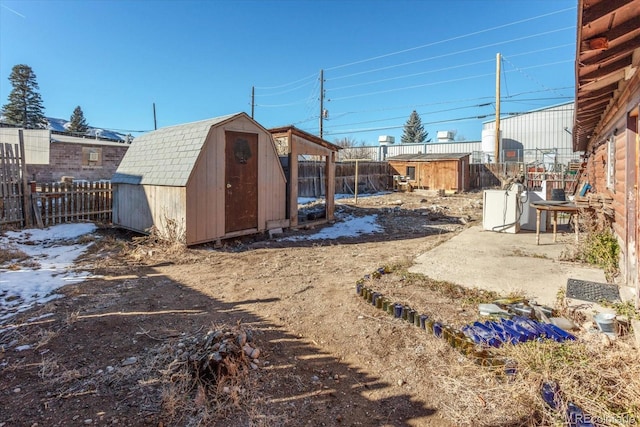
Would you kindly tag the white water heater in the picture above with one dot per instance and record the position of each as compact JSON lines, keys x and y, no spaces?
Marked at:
{"x":502,"y":209}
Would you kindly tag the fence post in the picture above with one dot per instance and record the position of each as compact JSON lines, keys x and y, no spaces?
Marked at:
{"x":26,"y":188}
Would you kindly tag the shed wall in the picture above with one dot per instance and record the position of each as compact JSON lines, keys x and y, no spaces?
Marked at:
{"x":448,"y":175}
{"x":139,"y":207}
{"x":205,"y":193}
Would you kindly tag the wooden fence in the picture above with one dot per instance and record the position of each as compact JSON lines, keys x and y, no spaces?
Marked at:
{"x":496,"y":174}
{"x":13,"y":194}
{"x":62,"y":202}
{"x":372,"y":177}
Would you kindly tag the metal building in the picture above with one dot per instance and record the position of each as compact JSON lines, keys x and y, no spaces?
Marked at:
{"x":541,"y":137}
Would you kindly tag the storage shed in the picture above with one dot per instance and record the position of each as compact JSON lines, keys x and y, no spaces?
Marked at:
{"x":201,"y":182}
{"x":292,"y":143}
{"x":448,"y":172}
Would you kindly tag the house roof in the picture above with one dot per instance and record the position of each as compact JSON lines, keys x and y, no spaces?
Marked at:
{"x":85,"y":141}
{"x":607,"y":55}
{"x":166,"y":156}
{"x":430,"y":157}
{"x":306,"y":135}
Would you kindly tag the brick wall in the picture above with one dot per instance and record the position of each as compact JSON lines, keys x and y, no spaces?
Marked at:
{"x":72,"y":159}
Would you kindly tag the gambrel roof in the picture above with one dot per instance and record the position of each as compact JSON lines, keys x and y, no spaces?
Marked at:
{"x":166,"y":156}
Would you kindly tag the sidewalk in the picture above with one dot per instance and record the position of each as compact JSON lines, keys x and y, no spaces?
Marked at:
{"x":506,"y":263}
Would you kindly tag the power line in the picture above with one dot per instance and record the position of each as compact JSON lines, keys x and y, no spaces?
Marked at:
{"x":402,"y":126}
{"x":286,"y":84}
{"x":388,"y":67}
{"x":286,"y":91}
{"x":410,"y":87}
{"x":449,"y":39}
{"x":468,"y":64}
{"x":411,"y":75}
{"x":290,"y":104}
{"x":453,"y":109}
{"x":420,"y":47}
{"x":437,"y":83}
{"x":422,"y":113}
{"x":533,"y":66}
{"x":460,"y":119}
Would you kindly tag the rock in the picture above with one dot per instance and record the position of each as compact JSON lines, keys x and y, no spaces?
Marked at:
{"x":315,"y":379}
{"x":110,"y":369}
{"x":255,"y":353}
{"x":241,"y":339}
{"x":88,"y":421}
{"x":253,"y":366}
{"x":130,"y":361}
{"x":17,"y":390}
{"x":248,"y":350}
{"x":400,"y":383}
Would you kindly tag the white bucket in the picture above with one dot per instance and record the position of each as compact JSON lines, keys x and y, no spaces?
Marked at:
{"x":606,"y":323}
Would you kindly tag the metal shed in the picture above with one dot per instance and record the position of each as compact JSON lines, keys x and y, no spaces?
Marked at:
{"x":203,"y":181}
{"x":448,"y":172}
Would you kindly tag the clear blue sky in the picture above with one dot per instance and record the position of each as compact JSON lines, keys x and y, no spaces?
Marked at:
{"x":381,"y":60}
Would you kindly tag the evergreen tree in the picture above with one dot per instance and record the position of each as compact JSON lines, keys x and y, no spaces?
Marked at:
{"x":25,"y":104}
{"x":77,"y":123}
{"x":413,"y":130}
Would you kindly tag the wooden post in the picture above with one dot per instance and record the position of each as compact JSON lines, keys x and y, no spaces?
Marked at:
{"x":355,"y":184}
{"x":321,"y":102}
{"x":330,"y":186}
{"x":497,"y":141}
{"x":26,"y":188}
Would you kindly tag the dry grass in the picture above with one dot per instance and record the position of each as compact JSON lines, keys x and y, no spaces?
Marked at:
{"x":594,"y":373}
{"x":12,"y":256}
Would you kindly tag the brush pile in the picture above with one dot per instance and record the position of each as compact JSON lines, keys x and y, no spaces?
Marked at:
{"x":208,"y":374}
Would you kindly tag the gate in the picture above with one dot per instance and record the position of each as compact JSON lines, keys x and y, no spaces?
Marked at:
{"x":14,"y":192}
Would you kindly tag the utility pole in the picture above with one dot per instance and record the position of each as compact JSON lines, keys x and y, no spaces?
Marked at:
{"x":497,"y":144}
{"x":155,"y":123}
{"x":321,"y":100}
{"x":253,"y":98}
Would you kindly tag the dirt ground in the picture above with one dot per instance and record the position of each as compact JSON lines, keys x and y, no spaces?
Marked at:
{"x":327,"y":358}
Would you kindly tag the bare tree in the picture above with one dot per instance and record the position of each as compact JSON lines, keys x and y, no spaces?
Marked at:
{"x":352,"y":149}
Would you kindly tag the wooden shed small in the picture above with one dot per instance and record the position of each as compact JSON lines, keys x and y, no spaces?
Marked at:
{"x":291,"y":143}
{"x":449,"y":172}
{"x":201,"y":182}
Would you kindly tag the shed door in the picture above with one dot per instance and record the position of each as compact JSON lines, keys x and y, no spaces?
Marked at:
{"x":241,"y":174}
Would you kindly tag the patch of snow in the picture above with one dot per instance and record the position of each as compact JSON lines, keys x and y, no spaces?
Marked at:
{"x":44,"y":316}
{"x":351,"y":226}
{"x":54,"y":249}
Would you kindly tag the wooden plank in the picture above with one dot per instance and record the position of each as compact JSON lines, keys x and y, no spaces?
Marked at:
{"x":26,"y":193}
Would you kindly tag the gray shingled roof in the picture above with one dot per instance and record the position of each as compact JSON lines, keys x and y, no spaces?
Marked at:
{"x":165,"y":156}
{"x":429,"y":156}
